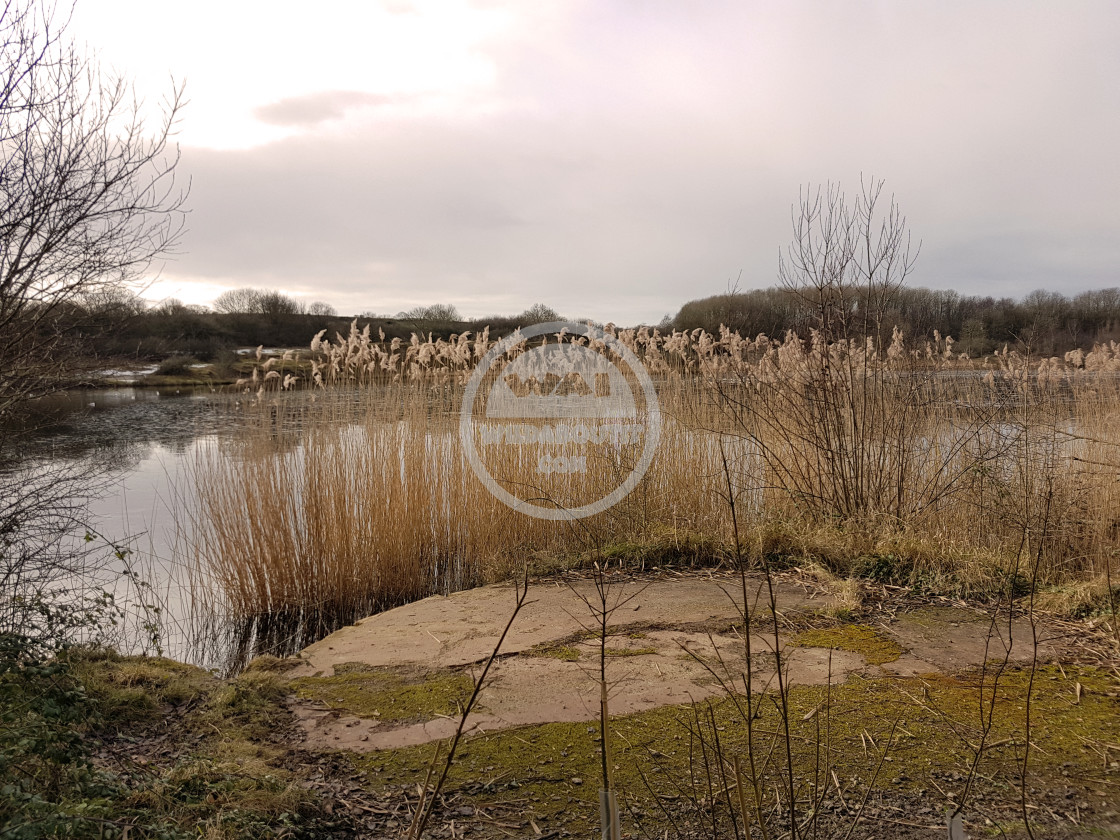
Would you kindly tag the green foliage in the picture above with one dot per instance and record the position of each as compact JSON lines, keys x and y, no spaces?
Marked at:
{"x":63,"y":704}
{"x":40,"y":706}
{"x":1103,"y":604}
{"x":883,"y":568}
{"x":56,"y":708}
{"x":1018,"y":583}
{"x":48,"y":784}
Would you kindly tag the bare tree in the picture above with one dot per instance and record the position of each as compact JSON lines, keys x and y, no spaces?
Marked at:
{"x":112,"y":304}
{"x":88,"y":201}
{"x":539,"y":313}
{"x":275,"y":304}
{"x":88,"y":198}
{"x":256,"y":302}
{"x":438,"y":313}
{"x":317,"y":307}
{"x":841,"y":418}
{"x":237,"y":301}
{"x":847,"y":260}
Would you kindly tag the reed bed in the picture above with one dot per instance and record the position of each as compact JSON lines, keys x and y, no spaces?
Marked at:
{"x":911,"y":463}
{"x":361,"y":499}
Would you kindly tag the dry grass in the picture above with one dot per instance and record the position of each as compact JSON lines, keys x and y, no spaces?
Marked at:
{"x":369,"y":511}
{"x":900,"y":463}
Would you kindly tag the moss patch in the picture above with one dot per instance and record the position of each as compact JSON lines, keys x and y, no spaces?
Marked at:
{"x":129,"y":689}
{"x":665,"y":547}
{"x":550,"y":773}
{"x":232,"y":775}
{"x":251,"y":704}
{"x":177,"y":754}
{"x":554,"y":651}
{"x":391,"y":695}
{"x":856,"y":638}
{"x":274,"y":664}
{"x":935,"y":616}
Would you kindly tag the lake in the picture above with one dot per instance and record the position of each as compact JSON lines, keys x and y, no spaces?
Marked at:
{"x":135,"y":445}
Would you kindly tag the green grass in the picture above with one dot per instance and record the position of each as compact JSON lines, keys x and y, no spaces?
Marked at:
{"x":222,"y":772}
{"x":555,"y":651}
{"x":192,"y":756}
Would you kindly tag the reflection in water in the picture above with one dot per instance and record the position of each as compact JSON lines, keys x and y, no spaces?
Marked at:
{"x":116,"y":458}
{"x":123,"y":456}
{"x":127,"y":453}
{"x":75,"y":423}
{"x":278,"y":633}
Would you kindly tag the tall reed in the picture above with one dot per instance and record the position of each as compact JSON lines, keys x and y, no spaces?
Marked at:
{"x":356,"y":495}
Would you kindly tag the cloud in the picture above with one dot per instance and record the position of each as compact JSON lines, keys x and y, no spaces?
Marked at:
{"x":626,"y":161}
{"x":315,"y":108}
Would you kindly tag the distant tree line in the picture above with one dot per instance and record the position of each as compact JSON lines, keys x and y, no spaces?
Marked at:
{"x":265,"y":302}
{"x":444,"y":315}
{"x":1047,"y":323}
{"x":251,"y":317}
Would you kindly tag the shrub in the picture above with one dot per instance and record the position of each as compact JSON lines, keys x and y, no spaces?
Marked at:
{"x":176,"y":366}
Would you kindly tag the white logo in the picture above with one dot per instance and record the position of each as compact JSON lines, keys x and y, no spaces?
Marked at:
{"x":564,"y":429}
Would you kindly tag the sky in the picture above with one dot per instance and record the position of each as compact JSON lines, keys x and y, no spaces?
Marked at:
{"x":614,"y":159}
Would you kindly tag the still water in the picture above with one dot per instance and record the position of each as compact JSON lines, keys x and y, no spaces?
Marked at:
{"x":136,"y":445}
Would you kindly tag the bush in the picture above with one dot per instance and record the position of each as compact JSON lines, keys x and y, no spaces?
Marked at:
{"x":176,"y":366}
{"x":43,"y":758}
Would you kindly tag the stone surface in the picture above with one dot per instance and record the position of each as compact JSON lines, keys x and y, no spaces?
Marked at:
{"x":672,"y":641}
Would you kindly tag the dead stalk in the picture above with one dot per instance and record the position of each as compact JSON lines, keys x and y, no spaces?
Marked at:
{"x":427,"y":801}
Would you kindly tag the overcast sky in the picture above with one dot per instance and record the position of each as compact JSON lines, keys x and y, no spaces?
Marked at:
{"x":616,"y":158}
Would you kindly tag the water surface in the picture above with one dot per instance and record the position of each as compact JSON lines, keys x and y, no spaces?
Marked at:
{"x":130,"y":449}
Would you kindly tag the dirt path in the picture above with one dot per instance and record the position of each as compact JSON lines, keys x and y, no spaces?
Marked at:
{"x":670,"y":639}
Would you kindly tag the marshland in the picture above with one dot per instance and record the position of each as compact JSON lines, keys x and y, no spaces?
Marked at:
{"x":891,"y":475}
{"x":304,"y":501}
{"x":360,"y":498}
{"x":380,"y":458}
{"x":861,"y":578}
